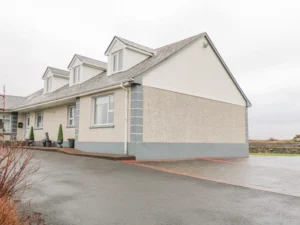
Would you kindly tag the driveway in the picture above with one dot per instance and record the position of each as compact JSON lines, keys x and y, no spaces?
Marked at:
{"x":84,"y":191}
{"x":269,"y":173}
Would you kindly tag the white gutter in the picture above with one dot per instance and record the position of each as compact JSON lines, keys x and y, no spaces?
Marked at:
{"x":126,"y":119}
{"x":74,"y":96}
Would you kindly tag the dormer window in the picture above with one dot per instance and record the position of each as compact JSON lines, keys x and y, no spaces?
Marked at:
{"x":117,"y":61}
{"x":76,"y":75}
{"x":48,"y":84}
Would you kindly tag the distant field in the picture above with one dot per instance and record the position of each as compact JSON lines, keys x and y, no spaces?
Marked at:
{"x":274,"y":154}
{"x":267,"y":141}
{"x":274,"y":148}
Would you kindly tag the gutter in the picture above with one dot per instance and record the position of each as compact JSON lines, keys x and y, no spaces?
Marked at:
{"x":125,"y":118}
{"x":115,"y":86}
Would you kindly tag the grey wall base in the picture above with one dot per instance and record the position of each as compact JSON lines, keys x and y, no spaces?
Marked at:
{"x":54,"y":144}
{"x":153,"y":151}
{"x":101,"y":147}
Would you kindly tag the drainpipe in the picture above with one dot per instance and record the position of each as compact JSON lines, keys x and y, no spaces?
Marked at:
{"x":126,"y":118}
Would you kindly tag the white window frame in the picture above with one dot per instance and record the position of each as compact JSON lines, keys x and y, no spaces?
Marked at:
{"x":109,"y":110}
{"x":117,"y":64}
{"x":71,"y":107}
{"x":76,"y":75}
{"x":36,"y":121}
{"x":1,"y":121}
{"x":48,"y":84}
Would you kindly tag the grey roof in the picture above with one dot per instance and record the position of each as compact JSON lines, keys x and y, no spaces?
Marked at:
{"x":11,"y":101}
{"x":89,"y":61}
{"x":102,"y":80}
{"x":135,"y":45}
{"x":59,"y":71}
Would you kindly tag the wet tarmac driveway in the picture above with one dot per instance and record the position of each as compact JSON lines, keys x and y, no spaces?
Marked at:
{"x":271,"y":173}
{"x":82,"y":191}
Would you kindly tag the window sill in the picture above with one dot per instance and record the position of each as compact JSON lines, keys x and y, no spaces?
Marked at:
{"x":38,"y":128}
{"x":102,"y":126}
{"x":70,"y":126}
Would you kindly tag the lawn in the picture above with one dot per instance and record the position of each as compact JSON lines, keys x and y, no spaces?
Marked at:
{"x":273,"y":154}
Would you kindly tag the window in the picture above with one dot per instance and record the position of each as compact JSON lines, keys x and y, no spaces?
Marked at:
{"x":120,"y":61}
{"x":48,"y":84}
{"x":71,"y":115}
{"x":76,"y":75}
{"x":117,"y":61}
{"x":27,"y":120}
{"x":6,"y":121}
{"x":103,"y":110}
{"x":39,"y":120}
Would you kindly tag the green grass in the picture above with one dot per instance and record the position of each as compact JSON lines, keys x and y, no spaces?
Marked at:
{"x":274,"y":154}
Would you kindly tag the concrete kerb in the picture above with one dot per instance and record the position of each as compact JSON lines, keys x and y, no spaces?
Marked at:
{"x":99,"y":156}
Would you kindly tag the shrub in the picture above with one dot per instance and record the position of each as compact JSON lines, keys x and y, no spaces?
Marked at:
{"x":272,"y":139}
{"x":60,"y":135}
{"x":297,"y":136}
{"x":31,"y":134}
{"x":15,"y":170}
{"x":8,"y":213}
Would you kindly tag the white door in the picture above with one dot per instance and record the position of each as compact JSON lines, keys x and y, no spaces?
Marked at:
{"x":27,"y":125}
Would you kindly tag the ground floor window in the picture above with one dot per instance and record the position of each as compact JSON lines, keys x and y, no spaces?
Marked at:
{"x":39,"y":120}
{"x":103,"y":110}
{"x":71,"y":115}
{"x":5,"y":122}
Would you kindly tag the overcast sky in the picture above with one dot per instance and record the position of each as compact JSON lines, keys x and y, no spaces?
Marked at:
{"x":259,"y":41}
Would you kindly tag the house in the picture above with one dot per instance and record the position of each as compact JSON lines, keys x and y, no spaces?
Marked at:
{"x":176,"y":101}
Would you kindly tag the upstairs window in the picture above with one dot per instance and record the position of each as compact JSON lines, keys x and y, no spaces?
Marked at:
{"x":117,"y":61}
{"x":39,"y":120}
{"x":48,"y":84}
{"x":5,"y":122}
{"x":71,"y":116}
{"x":76,"y":75}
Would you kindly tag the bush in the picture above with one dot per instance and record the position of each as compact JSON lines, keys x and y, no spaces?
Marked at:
{"x":272,"y":139}
{"x":60,"y":135}
{"x":15,"y":170}
{"x":297,"y":136}
{"x":8,"y":213}
{"x":31,"y":134}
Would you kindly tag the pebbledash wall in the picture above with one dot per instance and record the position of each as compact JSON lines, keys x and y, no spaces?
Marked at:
{"x":176,"y":125}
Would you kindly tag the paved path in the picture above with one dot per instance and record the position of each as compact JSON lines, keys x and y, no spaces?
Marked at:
{"x":87,"y":191}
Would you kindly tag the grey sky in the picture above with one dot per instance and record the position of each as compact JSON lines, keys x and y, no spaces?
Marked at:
{"x":259,"y":40}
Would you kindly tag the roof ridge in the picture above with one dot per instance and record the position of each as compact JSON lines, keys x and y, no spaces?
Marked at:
{"x":135,"y":44}
{"x":51,"y":67}
{"x":191,"y":37}
{"x":88,"y":57}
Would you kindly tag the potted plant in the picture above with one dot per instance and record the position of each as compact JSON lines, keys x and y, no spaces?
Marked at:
{"x":60,"y":136}
{"x":44,"y":142}
{"x":31,"y":137}
{"x":71,"y":142}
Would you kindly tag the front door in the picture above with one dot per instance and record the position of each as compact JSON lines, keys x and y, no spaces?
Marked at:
{"x":27,"y":125}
